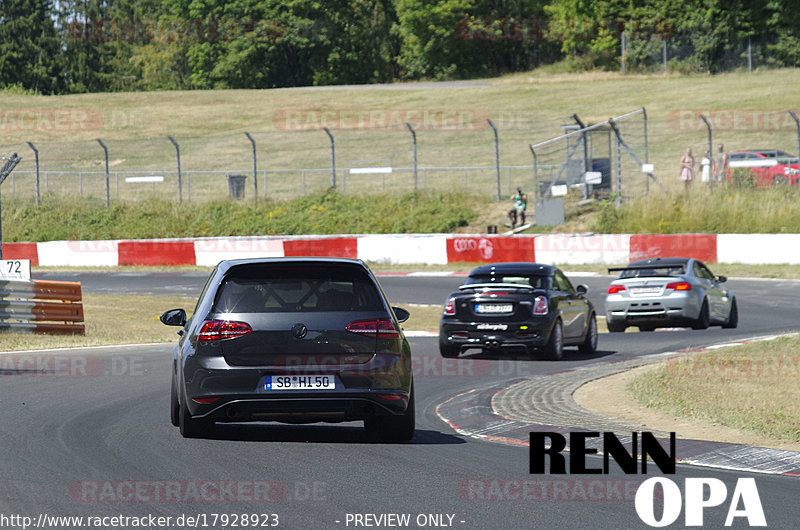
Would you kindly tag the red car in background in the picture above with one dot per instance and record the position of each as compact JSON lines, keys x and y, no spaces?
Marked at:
{"x":769,"y":167}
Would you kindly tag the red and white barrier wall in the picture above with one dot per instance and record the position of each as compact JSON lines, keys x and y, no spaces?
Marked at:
{"x":418,"y":248}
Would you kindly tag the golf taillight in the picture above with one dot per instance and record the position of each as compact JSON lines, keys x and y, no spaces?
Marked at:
{"x":381,"y":328}
{"x":540,"y":305}
{"x":450,"y":307}
{"x":222,"y":330}
{"x":680,"y":286}
{"x":614,"y":289}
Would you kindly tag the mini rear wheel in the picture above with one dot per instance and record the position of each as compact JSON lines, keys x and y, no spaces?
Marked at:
{"x":449,"y":351}
{"x":554,"y":349}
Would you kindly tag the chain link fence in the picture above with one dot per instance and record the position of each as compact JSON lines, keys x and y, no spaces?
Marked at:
{"x":442,"y":152}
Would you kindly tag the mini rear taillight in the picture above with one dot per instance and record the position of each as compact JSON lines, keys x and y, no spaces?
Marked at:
{"x":450,"y":307}
{"x":614,"y":289}
{"x":540,"y":305}
{"x":680,"y":286}
{"x":381,"y":328}
{"x":222,"y":330}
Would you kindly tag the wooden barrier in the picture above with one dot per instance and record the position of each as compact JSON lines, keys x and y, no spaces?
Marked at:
{"x":38,"y":306}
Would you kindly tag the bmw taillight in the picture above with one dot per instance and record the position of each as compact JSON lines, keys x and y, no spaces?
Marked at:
{"x":540,"y":305}
{"x":450,"y":307}
{"x":680,"y":286}
{"x":381,"y":328}
{"x":614,"y":289}
{"x":222,"y":330}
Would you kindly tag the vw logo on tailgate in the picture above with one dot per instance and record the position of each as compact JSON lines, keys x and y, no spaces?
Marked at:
{"x":299,"y":331}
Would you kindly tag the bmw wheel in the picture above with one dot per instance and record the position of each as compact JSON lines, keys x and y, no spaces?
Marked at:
{"x":615,"y":327}
{"x":733,"y":316}
{"x":554,"y":349}
{"x":703,"y":319}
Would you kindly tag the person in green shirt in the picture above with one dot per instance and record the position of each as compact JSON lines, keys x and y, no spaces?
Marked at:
{"x":517,"y":212}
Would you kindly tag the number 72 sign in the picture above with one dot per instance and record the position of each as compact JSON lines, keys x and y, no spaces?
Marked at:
{"x":15,"y":269}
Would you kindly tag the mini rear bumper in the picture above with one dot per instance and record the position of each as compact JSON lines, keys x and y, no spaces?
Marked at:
{"x":493,"y":336}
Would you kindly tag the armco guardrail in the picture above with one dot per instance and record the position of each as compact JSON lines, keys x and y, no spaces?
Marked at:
{"x":37,"y":306}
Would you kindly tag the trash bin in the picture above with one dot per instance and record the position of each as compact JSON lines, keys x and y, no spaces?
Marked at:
{"x":236,"y":186}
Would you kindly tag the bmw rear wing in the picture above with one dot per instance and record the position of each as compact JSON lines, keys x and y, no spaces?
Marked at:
{"x":670,"y":270}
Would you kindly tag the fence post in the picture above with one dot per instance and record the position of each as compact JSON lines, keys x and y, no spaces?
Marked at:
{"x":36,"y":161}
{"x":710,"y":143}
{"x":178,"y":155}
{"x":664,"y":53}
{"x":618,"y":163}
{"x":535,"y":172}
{"x":646,"y":149}
{"x":108,"y":193}
{"x":797,"y":124}
{"x":624,"y":51}
{"x":414,"y":142}
{"x":586,"y":167}
{"x":333,"y":157}
{"x":496,"y":156}
{"x":255,"y":168}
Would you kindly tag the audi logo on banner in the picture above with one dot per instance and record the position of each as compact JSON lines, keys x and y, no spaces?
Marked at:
{"x":483,"y":245}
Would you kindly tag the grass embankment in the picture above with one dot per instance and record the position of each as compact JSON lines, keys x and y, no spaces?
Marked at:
{"x":527,"y":108}
{"x":723,"y":210}
{"x":720,"y":210}
{"x":752,"y":388}
{"x":324,"y":213}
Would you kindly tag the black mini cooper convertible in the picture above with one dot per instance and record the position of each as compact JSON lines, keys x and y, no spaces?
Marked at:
{"x":518,"y":305}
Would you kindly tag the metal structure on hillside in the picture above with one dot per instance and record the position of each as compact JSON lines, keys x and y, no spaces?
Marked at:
{"x":610,"y":158}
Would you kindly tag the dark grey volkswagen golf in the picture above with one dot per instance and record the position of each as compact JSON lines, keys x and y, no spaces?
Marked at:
{"x":293,"y":340}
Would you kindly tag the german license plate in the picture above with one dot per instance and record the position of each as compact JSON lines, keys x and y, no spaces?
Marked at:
{"x":646,"y":290}
{"x":493,"y":308}
{"x":299,"y":382}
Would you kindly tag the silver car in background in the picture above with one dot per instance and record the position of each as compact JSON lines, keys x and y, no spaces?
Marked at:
{"x":666,"y":292}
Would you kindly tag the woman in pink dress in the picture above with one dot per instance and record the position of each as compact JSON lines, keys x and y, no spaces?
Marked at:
{"x":687,"y":168}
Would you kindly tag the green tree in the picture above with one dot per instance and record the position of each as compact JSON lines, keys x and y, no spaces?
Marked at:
{"x":29,"y":46}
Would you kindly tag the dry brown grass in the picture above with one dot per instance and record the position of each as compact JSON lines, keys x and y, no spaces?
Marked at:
{"x":751,"y":388}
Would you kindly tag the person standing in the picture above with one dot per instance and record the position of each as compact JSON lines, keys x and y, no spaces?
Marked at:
{"x":687,"y":169}
{"x":519,"y":205}
{"x":705,"y":168}
{"x":721,"y":162}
